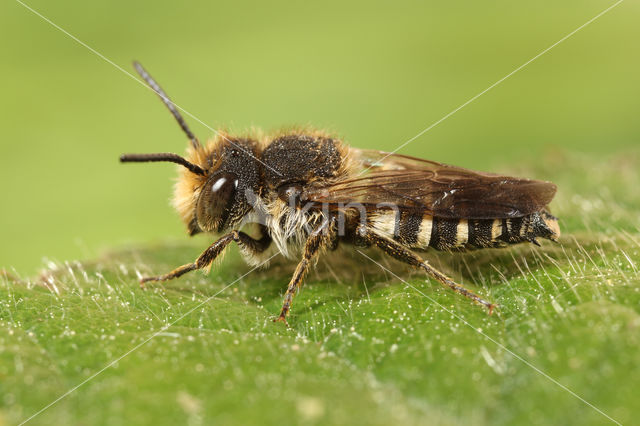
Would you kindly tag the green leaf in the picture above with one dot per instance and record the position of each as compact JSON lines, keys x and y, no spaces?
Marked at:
{"x":363,"y":347}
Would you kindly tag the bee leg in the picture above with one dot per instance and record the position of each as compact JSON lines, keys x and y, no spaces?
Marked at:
{"x":316,"y":241}
{"x":400,"y":252}
{"x":252,"y":247}
{"x":202,"y":261}
{"x":245,"y":242}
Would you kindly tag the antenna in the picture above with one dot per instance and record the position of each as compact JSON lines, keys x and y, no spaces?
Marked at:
{"x":162,"y":156}
{"x":168,"y":103}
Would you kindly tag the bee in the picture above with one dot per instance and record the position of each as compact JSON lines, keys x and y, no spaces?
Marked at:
{"x":309,"y":192}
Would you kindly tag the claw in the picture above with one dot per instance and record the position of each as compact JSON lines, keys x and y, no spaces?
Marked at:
{"x":144,"y":280}
{"x":282,"y":318}
{"x":491,"y":307}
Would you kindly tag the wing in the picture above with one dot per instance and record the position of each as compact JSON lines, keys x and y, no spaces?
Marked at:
{"x":433,"y":188}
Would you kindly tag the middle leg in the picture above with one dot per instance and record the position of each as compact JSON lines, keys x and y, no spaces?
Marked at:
{"x":315,"y":242}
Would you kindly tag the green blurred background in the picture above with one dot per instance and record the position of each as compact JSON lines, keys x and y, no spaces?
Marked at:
{"x":375,"y":73}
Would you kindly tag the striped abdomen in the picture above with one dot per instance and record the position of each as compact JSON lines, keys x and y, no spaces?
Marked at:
{"x":420,"y":231}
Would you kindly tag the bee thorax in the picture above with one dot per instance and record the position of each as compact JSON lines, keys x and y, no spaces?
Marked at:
{"x":290,"y":226}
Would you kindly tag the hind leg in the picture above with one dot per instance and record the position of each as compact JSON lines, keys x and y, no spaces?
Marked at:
{"x":400,"y":252}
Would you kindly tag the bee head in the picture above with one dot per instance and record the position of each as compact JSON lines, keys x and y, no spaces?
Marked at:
{"x":211,"y":193}
{"x":232,"y":176}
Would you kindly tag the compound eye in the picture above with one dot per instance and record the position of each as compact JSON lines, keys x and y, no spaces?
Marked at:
{"x":216,"y":201}
{"x":225,"y":184}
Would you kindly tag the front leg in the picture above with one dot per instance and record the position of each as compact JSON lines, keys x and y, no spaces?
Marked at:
{"x":243,"y":240}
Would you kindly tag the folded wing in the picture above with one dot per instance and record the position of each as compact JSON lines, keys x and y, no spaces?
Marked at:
{"x":433,"y":188}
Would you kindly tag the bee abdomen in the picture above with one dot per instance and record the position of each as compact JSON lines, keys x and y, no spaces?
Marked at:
{"x":405,"y":227}
{"x":421,"y":231}
{"x":447,"y":234}
{"x":454,"y":234}
{"x":527,"y":228}
{"x":485,"y":233}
